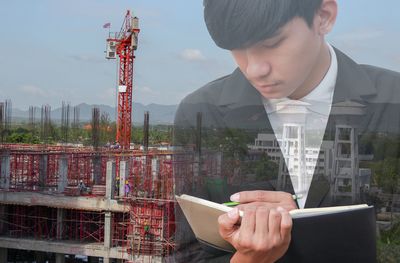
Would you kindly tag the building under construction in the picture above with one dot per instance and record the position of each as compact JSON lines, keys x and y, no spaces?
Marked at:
{"x":109,"y":204}
{"x":99,"y":204}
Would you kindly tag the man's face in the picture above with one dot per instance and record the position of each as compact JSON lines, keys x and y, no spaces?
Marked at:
{"x":285,"y":64}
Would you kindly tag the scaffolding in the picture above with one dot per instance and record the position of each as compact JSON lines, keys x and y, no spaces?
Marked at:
{"x":143,"y":186}
{"x":148,"y":195}
{"x":40,"y":222}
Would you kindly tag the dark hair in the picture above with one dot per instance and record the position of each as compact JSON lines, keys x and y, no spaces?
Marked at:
{"x":240,"y":23}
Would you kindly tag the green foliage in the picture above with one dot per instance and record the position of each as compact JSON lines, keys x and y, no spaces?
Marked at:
{"x":387,"y":174}
{"x":392,"y":236}
{"x":137,"y":135}
{"x":388,"y":253}
{"x":232,"y":142}
{"x":157,"y":134}
{"x":107,"y":129}
{"x":23,"y":138}
{"x":385,"y":146}
{"x":22,"y":135}
{"x":266,"y":169}
{"x":160,"y":133}
{"x":388,"y":246}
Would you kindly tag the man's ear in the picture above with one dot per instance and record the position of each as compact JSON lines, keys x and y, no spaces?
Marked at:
{"x":326,"y":16}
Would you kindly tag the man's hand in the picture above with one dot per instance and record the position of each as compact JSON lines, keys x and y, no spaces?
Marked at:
{"x":263,"y":235}
{"x":269,"y":199}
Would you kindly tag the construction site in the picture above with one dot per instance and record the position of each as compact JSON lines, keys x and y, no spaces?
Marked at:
{"x":96,"y":194}
{"x":72,"y":203}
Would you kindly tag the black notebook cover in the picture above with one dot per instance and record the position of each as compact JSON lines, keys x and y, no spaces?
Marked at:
{"x":341,"y":237}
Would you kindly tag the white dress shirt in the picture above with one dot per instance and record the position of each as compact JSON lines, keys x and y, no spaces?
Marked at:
{"x":304,"y":122}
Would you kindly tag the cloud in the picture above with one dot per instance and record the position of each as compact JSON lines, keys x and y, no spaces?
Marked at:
{"x":147,"y":90}
{"x":88,"y":58}
{"x":33,"y":90}
{"x":192,"y":55}
{"x":107,"y":94}
{"x":363,"y":40}
{"x":360,"y":35}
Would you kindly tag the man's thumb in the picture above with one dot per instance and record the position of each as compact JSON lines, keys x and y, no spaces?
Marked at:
{"x":227,"y":223}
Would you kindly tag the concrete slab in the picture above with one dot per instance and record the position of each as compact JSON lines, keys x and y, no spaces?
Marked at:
{"x":61,"y":201}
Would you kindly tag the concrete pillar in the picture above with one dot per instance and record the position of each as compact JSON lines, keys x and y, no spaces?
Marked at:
{"x":96,"y":169}
{"x":196,"y":171}
{"x":5,"y":171}
{"x":43,"y":170}
{"x":40,"y":257}
{"x":3,"y":218}
{"x":110,"y":179}
{"x":60,"y":258}
{"x":62,"y":174}
{"x":106,"y":260}
{"x":93,"y":260}
{"x":60,"y":222}
{"x":144,"y":176}
{"x":107,"y":230}
{"x":155,"y":172}
{"x":3,"y":254}
{"x":123,"y":174}
{"x":219,"y":164}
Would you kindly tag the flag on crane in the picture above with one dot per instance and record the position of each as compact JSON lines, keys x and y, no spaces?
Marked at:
{"x":107,"y":25}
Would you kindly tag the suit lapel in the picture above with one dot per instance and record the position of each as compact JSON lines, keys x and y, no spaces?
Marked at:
{"x":352,"y":84}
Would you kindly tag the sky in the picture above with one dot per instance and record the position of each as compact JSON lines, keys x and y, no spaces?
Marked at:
{"x":53,"y":50}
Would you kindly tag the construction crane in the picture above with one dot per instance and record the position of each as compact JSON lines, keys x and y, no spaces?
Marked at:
{"x":123,"y":45}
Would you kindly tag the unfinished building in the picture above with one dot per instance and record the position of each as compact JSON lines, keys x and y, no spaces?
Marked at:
{"x":61,"y":201}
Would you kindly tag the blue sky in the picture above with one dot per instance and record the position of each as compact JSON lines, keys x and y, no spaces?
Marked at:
{"x":52,"y":51}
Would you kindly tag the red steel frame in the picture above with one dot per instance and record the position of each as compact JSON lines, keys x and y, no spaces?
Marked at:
{"x":125,"y":52}
{"x":150,"y":217}
{"x":26,"y":164}
{"x":80,"y":167}
{"x":84,"y":226}
{"x":40,"y":222}
{"x":151,"y":206}
{"x":124,"y":121}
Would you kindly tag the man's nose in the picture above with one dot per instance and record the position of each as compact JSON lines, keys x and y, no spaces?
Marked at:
{"x":257,"y":66}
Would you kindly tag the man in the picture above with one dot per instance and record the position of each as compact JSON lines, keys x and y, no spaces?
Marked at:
{"x":292,"y":84}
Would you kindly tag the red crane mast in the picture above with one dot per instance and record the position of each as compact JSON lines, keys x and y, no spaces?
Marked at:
{"x":123,"y":45}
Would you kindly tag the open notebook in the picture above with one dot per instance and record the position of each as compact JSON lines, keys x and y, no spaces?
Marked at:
{"x":331,"y":233}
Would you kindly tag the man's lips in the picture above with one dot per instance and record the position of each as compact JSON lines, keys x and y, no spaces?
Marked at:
{"x":267,"y":86}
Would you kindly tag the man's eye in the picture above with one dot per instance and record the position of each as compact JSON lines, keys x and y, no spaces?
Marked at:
{"x":273,"y":45}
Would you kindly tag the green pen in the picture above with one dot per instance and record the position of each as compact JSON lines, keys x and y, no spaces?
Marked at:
{"x":297,"y":197}
{"x":231,"y":204}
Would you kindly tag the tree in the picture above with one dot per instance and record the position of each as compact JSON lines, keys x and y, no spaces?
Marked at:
{"x":265,"y":169}
{"x":387,"y":176}
{"x":106,"y":129}
{"x":232,"y":142}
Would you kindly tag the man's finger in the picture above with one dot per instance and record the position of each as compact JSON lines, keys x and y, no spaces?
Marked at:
{"x":247,"y":226}
{"x":227,"y":223}
{"x":249,"y":219}
{"x":262,"y":215}
{"x":286,"y":225}
{"x":275,"y":226}
{"x":287,"y":206}
{"x":261,"y":196}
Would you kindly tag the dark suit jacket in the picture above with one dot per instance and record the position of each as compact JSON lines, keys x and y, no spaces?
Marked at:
{"x":232,"y":108}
